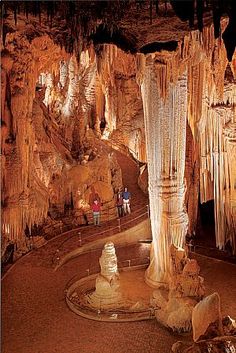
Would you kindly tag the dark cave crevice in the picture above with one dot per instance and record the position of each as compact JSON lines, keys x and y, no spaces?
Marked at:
{"x":104,"y":35}
{"x":158,"y":46}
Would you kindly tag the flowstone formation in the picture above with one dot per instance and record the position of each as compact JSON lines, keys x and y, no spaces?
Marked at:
{"x":211,"y":332}
{"x":179,"y":86}
{"x":185,"y":290}
{"x":107,"y":293}
{"x":165,"y":128}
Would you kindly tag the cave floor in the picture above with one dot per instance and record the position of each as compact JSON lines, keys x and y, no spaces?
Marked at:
{"x":36,"y":318}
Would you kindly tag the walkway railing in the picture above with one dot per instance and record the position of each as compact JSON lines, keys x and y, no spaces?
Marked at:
{"x":109,"y":212}
{"x":92,"y":270}
{"x":111,"y":229}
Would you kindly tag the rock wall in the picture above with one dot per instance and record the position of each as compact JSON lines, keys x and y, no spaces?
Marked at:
{"x":50,"y":148}
{"x":24,"y":197}
{"x":123,"y":104}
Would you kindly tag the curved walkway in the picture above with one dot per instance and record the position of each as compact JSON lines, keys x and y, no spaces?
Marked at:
{"x":74,"y":238}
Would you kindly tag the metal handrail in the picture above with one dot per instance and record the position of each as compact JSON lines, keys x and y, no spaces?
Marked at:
{"x":92,"y":270}
{"x":105,"y":313}
{"x":119,"y":227}
{"x":108,"y":209}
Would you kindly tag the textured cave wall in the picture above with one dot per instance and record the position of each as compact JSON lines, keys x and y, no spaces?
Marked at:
{"x":24,"y":198}
{"x":79,"y":102}
{"x":123,"y":104}
{"x":49,"y":149}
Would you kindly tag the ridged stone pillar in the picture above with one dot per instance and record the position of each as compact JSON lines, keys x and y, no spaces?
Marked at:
{"x":165,"y":126}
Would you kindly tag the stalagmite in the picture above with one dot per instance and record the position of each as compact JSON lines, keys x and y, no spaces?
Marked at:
{"x":185,"y":290}
{"x":107,"y":293}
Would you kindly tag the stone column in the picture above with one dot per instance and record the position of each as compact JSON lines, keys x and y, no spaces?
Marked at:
{"x":165,"y":110}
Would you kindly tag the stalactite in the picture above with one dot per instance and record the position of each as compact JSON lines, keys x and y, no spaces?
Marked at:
{"x":26,"y":200}
{"x":219,"y":166}
{"x":206,"y":62}
{"x":210,"y":103}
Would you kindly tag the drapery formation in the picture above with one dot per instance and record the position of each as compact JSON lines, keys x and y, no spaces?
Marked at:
{"x":217,"y":171}
{"x":200,"y":92}
{"x":24,"y":196}
{"x":211,"y":116}
{"x":123,"y":113}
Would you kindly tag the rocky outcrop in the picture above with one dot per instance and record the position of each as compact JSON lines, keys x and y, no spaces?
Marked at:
{"x":185,"y":290}
{"x":210,"y":331}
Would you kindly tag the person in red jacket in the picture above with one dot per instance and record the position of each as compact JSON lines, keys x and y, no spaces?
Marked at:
{"x":96,"y":208}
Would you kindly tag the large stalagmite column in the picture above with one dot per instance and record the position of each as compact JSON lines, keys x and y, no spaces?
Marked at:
{"x":165,"y":108}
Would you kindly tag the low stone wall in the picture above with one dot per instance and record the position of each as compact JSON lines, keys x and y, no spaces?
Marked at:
{"x":141,"y":231}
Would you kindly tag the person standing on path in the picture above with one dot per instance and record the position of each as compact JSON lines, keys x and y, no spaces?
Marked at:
{"x":96,"y":208}
{"x":126,"y":201}
{"x":119,"y":204}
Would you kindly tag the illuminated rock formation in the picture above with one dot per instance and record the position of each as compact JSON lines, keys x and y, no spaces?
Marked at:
{"x":123,"y":112}
{"x":217,"y":164}
{"x":210,"y":331}
{"x":81,"y":92}
{"x":107,"y":292}
{"x":205,"y":313}
{"x":185,"y":280}
{"x":47,"y":136}
{"x":185,"y":290}
{"x":25,"y":199}
{"x":165,"y":112}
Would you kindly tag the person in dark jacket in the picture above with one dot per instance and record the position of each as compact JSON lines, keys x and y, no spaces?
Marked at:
{"x":119,"y":204}
{"x":126,"y":201}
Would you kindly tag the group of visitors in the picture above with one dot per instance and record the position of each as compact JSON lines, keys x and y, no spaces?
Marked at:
{"x":122,"y":203}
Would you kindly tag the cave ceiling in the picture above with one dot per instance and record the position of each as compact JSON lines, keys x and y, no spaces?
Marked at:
{"x":132,"y":25}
